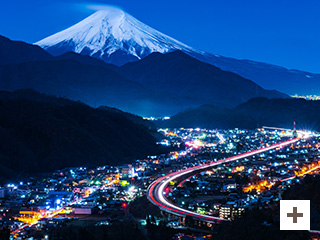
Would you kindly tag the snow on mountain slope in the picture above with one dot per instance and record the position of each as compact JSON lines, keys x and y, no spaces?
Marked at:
{"x":108,"y":32}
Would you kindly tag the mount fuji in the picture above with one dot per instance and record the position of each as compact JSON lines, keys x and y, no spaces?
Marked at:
{"x":118,"y":38}
{"x":113,"y":36}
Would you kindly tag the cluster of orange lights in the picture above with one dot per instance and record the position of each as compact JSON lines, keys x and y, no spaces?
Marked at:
{"x":172,"y":134}
{"x":176,"y":155}
{"x":308,"y":169}
{"x":30,"y":216}
{"x":238,"y":169}
{"x":305,"y":146}
{"x":264,"y":184}
{"x":209,"y":236}
{"x":259,"y":187}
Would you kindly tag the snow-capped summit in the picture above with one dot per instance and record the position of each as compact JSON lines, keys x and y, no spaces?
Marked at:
{"x":112,"y":35}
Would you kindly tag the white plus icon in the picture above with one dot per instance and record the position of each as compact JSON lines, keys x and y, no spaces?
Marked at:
{"x":295,"y":215}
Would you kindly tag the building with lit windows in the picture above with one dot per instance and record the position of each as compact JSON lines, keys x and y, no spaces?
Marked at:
{"x":230,"y":212}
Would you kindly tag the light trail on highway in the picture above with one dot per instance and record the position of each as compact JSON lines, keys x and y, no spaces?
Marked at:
{"x":300,"y":175}
{"x":157,"y":188}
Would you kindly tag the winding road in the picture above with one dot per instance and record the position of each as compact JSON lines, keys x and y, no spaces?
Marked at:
{"x":156,"y":190}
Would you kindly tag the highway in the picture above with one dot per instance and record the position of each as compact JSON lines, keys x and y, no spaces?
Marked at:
{"x":156,"y":190}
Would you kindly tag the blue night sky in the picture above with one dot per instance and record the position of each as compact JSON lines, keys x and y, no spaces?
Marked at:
{"x":281,"y":32}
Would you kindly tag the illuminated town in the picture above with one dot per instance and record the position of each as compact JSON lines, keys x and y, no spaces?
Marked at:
{"x":223,"y":192}
{"x":307,"y":97}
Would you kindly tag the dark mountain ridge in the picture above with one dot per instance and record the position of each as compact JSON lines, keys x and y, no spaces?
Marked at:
{"x":178,"y":73}
{"x":43,"y":133}
{"x":12,"y":52}
{"x":159,"y":85}
{"x":254,"y":113}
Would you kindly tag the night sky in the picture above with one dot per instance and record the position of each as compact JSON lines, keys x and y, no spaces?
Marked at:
{"x":282,"y":32}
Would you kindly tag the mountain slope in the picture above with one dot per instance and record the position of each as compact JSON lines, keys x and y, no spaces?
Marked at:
{"x":268,"y":76}
{"x":94,"y":85}
{"x":178,"y":73}
{"x":19,"y":52}
{"x":43,"y":133}
{"x":85,"y":59}
{"x":118,"y":38}
{"x":257,"y":112}
{"x":211,"y":117}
